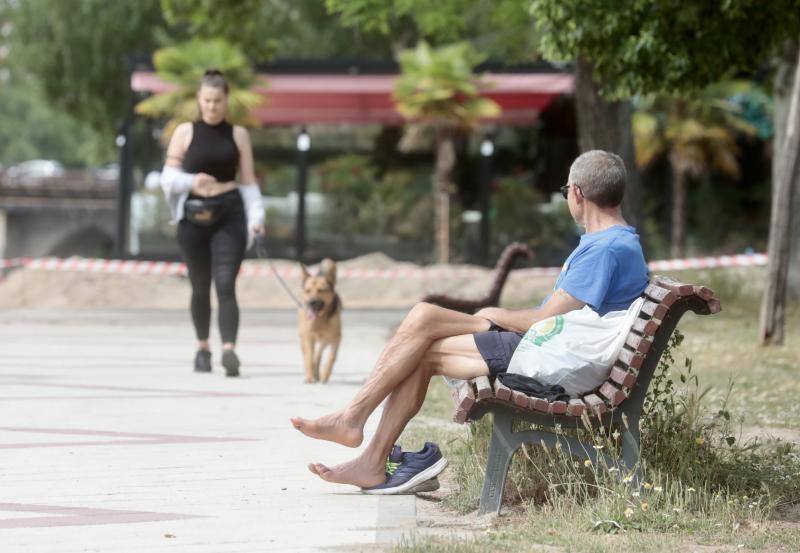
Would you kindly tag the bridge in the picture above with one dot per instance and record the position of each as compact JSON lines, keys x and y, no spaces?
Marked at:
{"x":70,"y":215}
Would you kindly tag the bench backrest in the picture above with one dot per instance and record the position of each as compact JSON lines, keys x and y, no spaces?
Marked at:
{"x":666,"y":300}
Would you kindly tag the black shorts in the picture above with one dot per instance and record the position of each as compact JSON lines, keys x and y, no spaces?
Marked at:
{"x":496,"y":346}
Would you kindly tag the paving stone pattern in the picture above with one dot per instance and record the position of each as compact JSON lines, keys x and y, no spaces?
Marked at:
{"x":109,"y":443}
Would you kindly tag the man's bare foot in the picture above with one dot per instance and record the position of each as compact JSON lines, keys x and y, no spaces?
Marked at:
{"x":355,"y":472}
{"x":331,"y":427}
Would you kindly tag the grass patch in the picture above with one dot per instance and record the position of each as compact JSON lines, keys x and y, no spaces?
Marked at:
{"x":707,"y":483}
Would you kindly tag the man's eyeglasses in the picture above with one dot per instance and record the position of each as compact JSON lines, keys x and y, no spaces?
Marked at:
{"x":565,"y":190}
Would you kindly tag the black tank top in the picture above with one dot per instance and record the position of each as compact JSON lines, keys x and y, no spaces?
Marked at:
{"x":212,"y":151}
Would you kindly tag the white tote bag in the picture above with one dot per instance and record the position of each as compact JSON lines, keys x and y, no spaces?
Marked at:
{"x":574,"y":350}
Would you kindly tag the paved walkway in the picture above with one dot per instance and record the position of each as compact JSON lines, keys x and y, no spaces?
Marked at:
{"x":108,"y":441}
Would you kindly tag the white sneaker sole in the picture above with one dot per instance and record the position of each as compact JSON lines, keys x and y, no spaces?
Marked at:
{"x":430,"y":472}
{"x":428,"y":486}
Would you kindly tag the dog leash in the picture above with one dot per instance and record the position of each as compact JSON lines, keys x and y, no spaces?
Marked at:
{"x":261,"y":251}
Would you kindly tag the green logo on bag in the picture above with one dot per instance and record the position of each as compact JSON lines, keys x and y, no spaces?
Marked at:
{"x":545,"y":331}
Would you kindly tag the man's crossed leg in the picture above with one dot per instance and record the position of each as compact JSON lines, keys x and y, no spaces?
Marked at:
{"x":430,"y":341}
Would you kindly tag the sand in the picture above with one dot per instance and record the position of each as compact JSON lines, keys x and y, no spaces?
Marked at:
{"x":38,"y":288}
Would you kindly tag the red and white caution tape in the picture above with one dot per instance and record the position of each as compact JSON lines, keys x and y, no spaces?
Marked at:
{"x":13,"y":262}
{"x":745,"y":260}
{"x":131,"y":267}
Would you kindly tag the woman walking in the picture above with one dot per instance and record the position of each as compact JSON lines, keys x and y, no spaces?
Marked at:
{"x":217,"y":219}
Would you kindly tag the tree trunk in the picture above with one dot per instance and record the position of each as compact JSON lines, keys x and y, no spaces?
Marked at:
{"x":443,"y":187}
{"x":773,"y":305}
{"x":606,"y":125}
{"x":785,"y":65}
{"x":677,"y":244}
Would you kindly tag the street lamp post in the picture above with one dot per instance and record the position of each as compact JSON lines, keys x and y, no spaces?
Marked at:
{"x":123,"y":191}
{"x":303,"y":146}
{"x":487,"y":151}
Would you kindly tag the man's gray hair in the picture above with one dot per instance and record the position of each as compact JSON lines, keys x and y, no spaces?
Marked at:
{"x":601,"y":177}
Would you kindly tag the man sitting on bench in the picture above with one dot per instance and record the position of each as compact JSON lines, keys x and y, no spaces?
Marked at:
{"x":607,"y":272}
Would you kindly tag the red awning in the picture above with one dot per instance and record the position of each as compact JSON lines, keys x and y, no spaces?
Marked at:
{"x":299,"y":99}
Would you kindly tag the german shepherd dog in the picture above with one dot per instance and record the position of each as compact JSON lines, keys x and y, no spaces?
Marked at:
{"x":320,"y":323}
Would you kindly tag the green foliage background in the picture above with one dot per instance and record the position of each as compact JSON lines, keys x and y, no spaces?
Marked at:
{"x":641,"y":46}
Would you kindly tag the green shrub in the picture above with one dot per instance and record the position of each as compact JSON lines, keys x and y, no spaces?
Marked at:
{"x":359,"y":202}
{"x":519,"y":215}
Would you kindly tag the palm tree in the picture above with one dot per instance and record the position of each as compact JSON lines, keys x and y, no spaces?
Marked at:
{"x":697,"y":136}
{"x":438,"y":90}
{"x":183,"y":66}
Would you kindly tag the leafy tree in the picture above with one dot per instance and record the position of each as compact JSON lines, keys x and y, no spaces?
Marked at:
{"x":77,"y":50}
{"x":184,"y":66}
{"x":641,"y":46}
{"x":438,"y":89}
{"x":264,"y":29}
{"x":697,"y":135}
{"x":502,"y":29}
{"x":46,"y":132}
{"x":362,"y":28}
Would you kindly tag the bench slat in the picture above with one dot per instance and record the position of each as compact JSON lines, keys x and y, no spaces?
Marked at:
{"x":540,"y":404}
{"x":648,"y":327}
{"x":612,"y":393}
{"x":520,"y":399}
{"x":654,"y":309}
{"x":622,"y":377}
{"x":465,"y":399}
{"x":575,"y":408}
{"x":703,"y":293}
{"x":638,"y":343}
{"x":630,"y":358}
{"x":501,"y":391}
{"x":484,"y":387}
{"x":661,"y":295}
{"x":673,"y":285}
{"x":596,"y":405}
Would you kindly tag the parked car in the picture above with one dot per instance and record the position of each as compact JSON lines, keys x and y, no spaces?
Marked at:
{"x":35,"y":169}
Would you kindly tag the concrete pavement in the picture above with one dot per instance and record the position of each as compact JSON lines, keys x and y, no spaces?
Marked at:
{"x":108,"y":441}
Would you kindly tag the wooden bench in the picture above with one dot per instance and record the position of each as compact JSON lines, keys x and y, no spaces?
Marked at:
{"x":620,"y":398}
{"x":503,"y":267}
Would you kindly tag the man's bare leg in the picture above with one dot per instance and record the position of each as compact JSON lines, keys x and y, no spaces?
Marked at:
{"x":457,"y":357}
{"x":424,"y":324}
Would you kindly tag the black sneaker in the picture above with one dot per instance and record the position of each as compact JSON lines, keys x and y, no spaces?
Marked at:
{"x":230,"y":362}
{"x":406,"y":471}
{"x":202,"y":361}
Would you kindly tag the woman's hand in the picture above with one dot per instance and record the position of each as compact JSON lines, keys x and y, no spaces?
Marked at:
{"x":207,"y":186}
{"x":218,"y":188}
{"x":202,"y":185}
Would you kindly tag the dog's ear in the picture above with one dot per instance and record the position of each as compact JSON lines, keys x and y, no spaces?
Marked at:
{"x":304,"y":272}
{"x":327,"y":268}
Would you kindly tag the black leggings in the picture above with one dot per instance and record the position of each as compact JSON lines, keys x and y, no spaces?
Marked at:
{"x":215,"y":251}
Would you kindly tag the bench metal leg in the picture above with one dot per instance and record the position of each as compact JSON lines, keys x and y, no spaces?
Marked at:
{"x":630,"y":451}
{"x":501,"y":448}
{"x":504,"y":443}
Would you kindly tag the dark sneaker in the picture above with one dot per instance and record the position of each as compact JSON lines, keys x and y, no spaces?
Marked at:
{"x":230,"y":362}
{"x":407,"y":471}
{"x":202,"y":361}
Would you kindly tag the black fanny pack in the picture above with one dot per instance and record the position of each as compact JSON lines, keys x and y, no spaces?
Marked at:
{"x":206,"y":211}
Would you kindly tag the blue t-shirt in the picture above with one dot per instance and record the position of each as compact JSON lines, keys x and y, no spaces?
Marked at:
{"x":607,"y":270}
